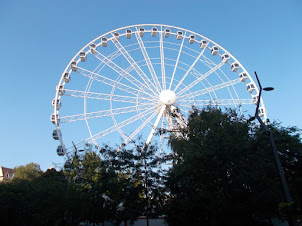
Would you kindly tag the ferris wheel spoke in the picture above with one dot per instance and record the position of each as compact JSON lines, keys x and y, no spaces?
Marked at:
{"x":196,"y":74}
{"x":176,"y":64}
{"x":128,"y":139}
{"x":160,"y":114}
{"x":104,"y":113}
{"x":209,"y":63}
{"x":162,"y":58}
{"x":110,"y":82}
{"x":119,"y":125}
{"x":112,"y":129}
{"x":120,"y":71}
{"x":189,"y":70}
{"x":148,"y":61}
{"x":210,"y":89}
{"x":202,"y":103}
{"x":99,"y":67}
{"x":135,"y":66}
{"x":103,"y":96}
{"x":200,"y":78}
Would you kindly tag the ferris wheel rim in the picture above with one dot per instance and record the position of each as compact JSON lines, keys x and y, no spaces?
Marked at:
{"x":67,"y":69}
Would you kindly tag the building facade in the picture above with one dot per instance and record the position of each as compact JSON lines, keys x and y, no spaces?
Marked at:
{"x":6,"y":173}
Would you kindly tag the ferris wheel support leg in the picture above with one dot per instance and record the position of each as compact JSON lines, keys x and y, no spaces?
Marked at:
{"x":163,"y":108}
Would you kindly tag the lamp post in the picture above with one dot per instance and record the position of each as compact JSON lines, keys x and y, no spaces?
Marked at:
{"x":292,"y":220}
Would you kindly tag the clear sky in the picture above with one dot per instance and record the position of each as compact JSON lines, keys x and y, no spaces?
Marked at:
{"x":39,"y":38}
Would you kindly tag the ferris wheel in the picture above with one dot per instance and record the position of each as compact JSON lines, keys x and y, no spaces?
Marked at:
{"x":142,"y":80}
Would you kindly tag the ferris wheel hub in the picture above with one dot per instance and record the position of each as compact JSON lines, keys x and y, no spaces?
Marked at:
{"x":167,"y":97}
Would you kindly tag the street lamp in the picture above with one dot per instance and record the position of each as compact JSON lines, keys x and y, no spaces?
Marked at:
{"x":292,"y":218}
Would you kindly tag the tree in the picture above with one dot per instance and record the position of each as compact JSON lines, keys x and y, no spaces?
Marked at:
{"x":140,"y":181}
{"x":28,"y":172}
{"x":129,"y":188}
{"x":45,"y":199}
{"x":289,"y":146}
{"x":152,"y":176}
{"x":35,"y":200}
{"x":224,"y":172}
{"x":93,"y":185}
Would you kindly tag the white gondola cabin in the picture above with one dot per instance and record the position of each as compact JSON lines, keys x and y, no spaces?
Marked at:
{"x":56,"y":135}
{"x":225,"y":57}
{"x":250,"y":87}
{"x":104,"y":41}
{"x":83,"y":56}
{"x":234,"y":66}
{"x":66,"y":77}
{"x":255,"y":99}
{"x":60,"y":90}
{"x":92,"y":48}
{"x":53,"y":118}
{"x":116,"y":36}
{"x":261,"y":111}
{"x":141,"y":31}
{"x":214,"y":50}
{"x":179,"y":35}
{"x":154,"y":31}
{"x":243,"y":77}
{"x":56,"y":104}
{"x":128,"y":33}
{"x":74,"y":66}
{"x":167,"y":32}
{"x":203,"y":44}
{"x":61,"y":150}
{"x":191,"y":39}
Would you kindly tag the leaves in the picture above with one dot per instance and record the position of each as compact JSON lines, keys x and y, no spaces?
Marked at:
{"x":225,"y":169}
{"x":27,"y":172}
{"x":223,"y":173}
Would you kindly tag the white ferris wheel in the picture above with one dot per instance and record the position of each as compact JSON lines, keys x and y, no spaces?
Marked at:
{"x":142,"y":80}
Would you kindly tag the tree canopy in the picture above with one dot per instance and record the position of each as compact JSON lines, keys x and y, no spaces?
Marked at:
{"x":28,"y":172}
{"x":36,"y":200}
{"x":224,"y":172}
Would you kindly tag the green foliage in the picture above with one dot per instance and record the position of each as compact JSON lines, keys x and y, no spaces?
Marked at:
{"x":90,"y":182}
{"x":225,"y":169}
{"x":223,"y":173}
{"x":28,"y":172}
{"x":284,"y":208}
{"x":129,"y":186}
{"x":38,"y":201}
{"x":116,"y":186}
{"x":289,"y":145}
{"x":140,"y":181}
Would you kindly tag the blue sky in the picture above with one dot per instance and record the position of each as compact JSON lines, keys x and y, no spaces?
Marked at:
{"x":39,"y":38}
